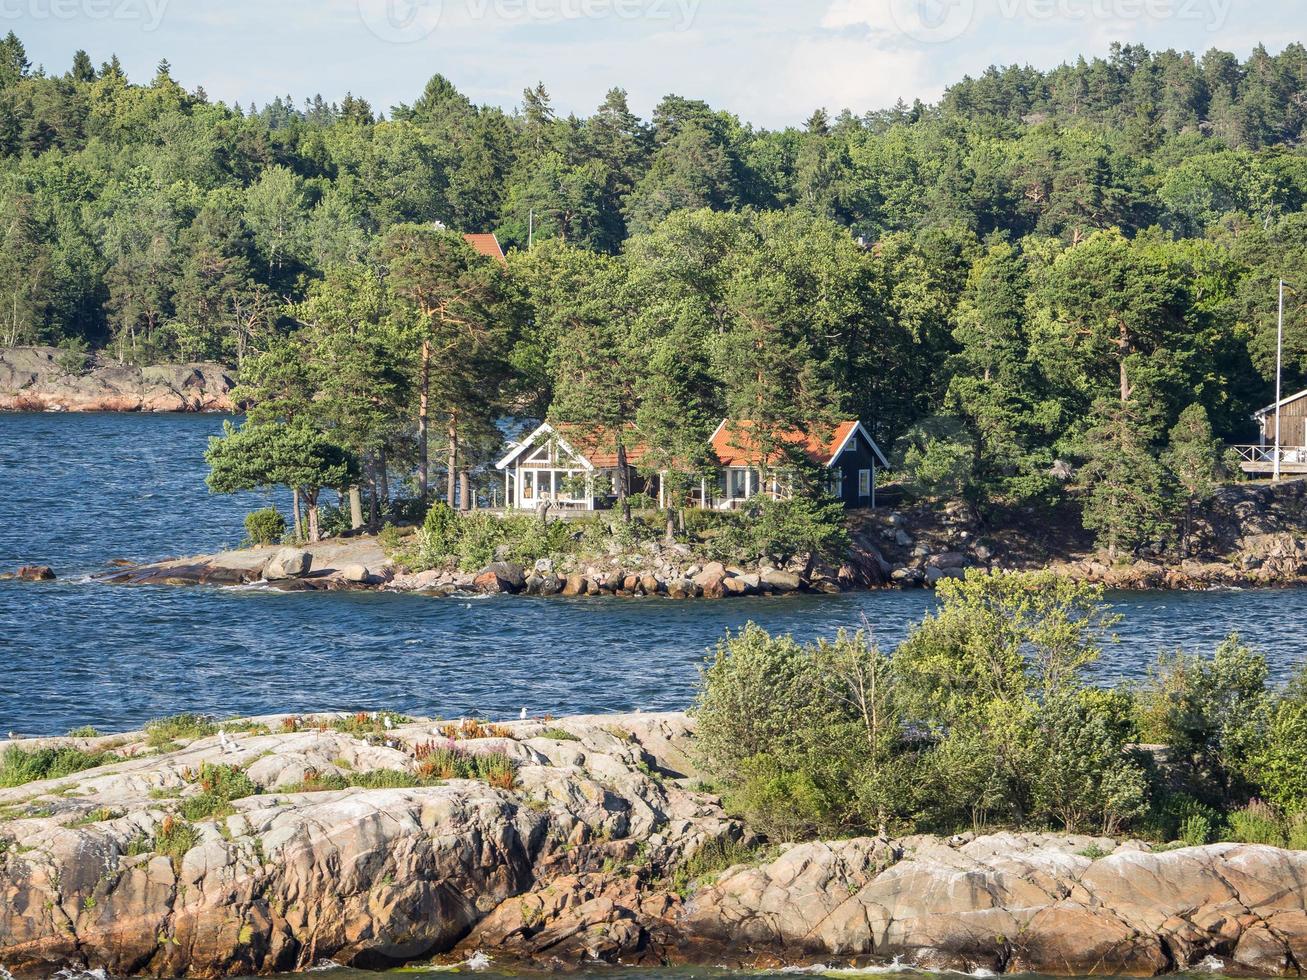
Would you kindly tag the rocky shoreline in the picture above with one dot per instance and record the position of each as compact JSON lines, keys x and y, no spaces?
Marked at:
{"x":47,"y":379}
{"x":590,"y":851}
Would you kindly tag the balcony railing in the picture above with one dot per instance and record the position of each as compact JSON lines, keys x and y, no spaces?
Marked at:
{"x":1261,"y":459}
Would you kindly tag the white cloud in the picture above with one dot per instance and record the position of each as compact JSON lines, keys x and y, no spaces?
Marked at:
{"x":852,"y":73}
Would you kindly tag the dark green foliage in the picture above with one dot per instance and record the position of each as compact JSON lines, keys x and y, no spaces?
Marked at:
{"x":778,"y":530}
{"x":265,"y":526}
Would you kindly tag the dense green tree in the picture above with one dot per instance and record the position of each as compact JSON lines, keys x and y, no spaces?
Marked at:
{"x":293,"y":455}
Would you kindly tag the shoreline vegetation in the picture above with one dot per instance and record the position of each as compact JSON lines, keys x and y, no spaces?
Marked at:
{"x":966,"y":801}
{"x":1250,"y":536}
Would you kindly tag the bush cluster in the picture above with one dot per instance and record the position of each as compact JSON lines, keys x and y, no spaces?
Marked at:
{"x":265,"y":526}
{"x":983,"y":717}
{"x":472,"y":541}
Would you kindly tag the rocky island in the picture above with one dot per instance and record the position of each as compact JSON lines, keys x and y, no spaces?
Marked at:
{"x":1251,"y":536}
{"x":47,"y":379}
{"x":270,"y":844}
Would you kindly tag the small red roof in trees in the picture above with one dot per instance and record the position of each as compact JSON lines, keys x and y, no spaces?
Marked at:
{"x":487,"y":245}
{"x":736,"y":444}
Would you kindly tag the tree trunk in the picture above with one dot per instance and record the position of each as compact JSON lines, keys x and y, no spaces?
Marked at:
{"x":465,"y":491}
{"x":383,"y":481}
{"x":1123,"y":344}
{"x":295,"y":506}
{"x":374,"y":511}
{"x":424,"y":402}
{"x":451,"y":491}
{"x":311,"y":499}
{"x":355,"y":508}
{"x":623,"y":479}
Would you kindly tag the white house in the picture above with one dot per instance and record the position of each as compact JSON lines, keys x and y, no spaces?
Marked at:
{"x":565,"y":466}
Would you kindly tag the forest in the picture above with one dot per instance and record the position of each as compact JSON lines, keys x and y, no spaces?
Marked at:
{"x":1048,"y":276}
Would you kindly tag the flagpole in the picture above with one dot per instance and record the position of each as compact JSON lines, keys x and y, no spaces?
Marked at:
{"x":1279,"y":366}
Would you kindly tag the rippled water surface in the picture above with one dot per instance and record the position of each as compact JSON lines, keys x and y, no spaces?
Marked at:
{"x":78,"y":491}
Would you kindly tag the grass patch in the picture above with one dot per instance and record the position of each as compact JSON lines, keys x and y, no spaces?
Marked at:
{"x":98,"y":815}
{"x":19,"y":766}
{"x":164,"y":733}
{"x":707,"y":864}
{"x":315,"y":782}
{"x":362,"y":723}
{"x":469,"y":728}
{"x":450,"y":762}
{"x":86,"y":731}
{"x":219,"y":785}
{"x":436,"y":764}
{"x":558,"y":735}
{"x":174,"y":839}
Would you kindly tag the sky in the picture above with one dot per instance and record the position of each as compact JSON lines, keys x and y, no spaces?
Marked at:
{"x":770,"y":61}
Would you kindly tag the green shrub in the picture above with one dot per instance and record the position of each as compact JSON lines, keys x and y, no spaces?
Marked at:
{"x":265,"y":526}
{"x":85,"y":731}
{"x":174,"y":839}
{"x":219,"y":785}
{"x":558,"y":735}
{"x":1081,"y":775}
{"x":1195,"y":830}
{"x":1257,"y":823}
{"x":19,"y":766}
{"x":709,"y":861}
{"x":1209,"y":712}
{"x":1279,"y":762}
{"x":779,"y":530}
{"x":783,"y":804}
{"x":440,"y":532}
{"x":391,"y":540}
{"x":1298,"y":832}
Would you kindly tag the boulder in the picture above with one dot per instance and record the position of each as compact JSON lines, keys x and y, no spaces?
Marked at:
{"x":735,"y":585}
{"x":779,"y":581}
{"x":35,"y":573}
{"x":356,"y":574}
{"x":500,"y":576}
{"x":650,"y":585}
{"x":711,"y":585}
{"x":949,"y":559}
{"x":575,"y":585}
{"x":288,"y":563}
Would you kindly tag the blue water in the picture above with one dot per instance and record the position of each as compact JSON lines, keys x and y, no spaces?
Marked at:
{"x":78,"y":491}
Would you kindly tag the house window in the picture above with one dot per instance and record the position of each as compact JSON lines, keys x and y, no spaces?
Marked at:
{"x":837,"y":484}
{"x":864,"y":483}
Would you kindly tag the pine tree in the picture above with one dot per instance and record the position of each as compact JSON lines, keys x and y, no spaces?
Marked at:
{"x":1193,"y":460}
{"x":1123,"y":483}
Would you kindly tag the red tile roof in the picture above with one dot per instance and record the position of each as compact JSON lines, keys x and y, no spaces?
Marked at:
{"x":487,"y":245}
{"x":735,"y":443}
{"x":601,"y":453}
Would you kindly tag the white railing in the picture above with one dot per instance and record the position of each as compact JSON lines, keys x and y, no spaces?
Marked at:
{"x":1265,"y":455}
